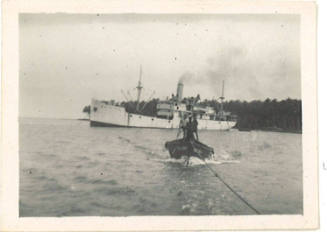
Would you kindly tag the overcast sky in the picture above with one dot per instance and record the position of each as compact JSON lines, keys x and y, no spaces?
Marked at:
{"x":65,"y":59}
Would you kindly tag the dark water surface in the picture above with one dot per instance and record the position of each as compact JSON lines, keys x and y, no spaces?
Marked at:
{"x":70,"y":169}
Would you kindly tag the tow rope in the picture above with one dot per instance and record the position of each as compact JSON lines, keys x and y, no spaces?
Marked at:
{"x":227,"y":185}
{"x":231,"y":189}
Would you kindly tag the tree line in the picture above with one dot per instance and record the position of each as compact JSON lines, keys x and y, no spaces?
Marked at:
{"x":284,"y":115}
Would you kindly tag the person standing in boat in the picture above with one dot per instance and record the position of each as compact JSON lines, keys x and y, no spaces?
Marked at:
{"x":189,"y":130}
{"x":195,"y":127}
{"x":189,"y":137}
{"x":182,"y":126}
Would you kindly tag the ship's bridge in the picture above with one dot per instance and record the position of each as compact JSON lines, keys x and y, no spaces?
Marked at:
{"x":167,"y":109}
{"x":179,"y":107}
{"x":204,"y":110}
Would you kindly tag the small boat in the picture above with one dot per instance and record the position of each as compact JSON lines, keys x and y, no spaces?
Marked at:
{"x":181,"y":147}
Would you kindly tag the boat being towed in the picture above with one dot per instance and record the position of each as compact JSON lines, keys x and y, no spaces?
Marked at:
{"x":182,"y":147}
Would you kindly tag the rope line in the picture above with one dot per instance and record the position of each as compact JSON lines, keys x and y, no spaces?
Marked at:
{"x":227,"y":185}
{"x":231,"y":189}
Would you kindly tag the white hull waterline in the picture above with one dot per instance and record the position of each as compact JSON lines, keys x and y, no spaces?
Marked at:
{"x":104,"y":114}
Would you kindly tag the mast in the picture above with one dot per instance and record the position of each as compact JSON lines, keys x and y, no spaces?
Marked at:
{"x":222,"y":100}
{"x":139,"y":88}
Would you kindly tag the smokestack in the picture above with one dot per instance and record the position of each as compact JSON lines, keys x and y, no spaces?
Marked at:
{"x":179,"y":93}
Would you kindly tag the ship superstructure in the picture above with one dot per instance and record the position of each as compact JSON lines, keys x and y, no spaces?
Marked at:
{"x":168,"y":115}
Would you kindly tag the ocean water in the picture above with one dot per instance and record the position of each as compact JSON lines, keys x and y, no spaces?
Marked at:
{"x":70,"y":169}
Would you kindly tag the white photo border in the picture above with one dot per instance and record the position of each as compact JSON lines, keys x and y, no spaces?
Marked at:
{"x":9,"y":160}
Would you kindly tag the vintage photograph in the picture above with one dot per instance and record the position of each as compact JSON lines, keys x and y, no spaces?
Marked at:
{"x":159,"y":115}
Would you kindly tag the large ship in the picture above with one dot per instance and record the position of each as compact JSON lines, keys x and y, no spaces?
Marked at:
{"x":168,"y":113}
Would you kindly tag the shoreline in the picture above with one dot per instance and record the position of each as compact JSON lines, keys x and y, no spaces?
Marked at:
{"x":271,"y":130}
{"x":245,"y":129}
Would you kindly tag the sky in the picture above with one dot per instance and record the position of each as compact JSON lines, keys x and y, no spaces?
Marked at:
{"x":67,"y":59}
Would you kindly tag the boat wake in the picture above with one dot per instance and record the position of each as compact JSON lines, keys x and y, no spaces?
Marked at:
{"x":194,"y":161}
{"x":224,"y":157}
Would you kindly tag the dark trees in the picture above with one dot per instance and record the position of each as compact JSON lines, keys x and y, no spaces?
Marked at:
{"x":285,"y":115}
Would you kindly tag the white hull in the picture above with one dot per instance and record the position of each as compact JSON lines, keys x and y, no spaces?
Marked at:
{"x":102,"y":114}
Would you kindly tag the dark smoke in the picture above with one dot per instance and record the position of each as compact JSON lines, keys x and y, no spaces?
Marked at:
{"x":245,"y":75}
{"x":188,"y":78}
{"x":228,"y":65}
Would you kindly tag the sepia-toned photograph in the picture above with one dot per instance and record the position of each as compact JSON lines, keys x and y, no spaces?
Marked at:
{"x":140,"y":114}
{"x":176,"y":116}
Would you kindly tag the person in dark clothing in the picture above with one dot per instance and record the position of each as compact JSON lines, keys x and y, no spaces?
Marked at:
{"x":189,"y":130}
{"x":195,"y":127}
{"x":182,"y":126}
{"x":189,"y":137}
